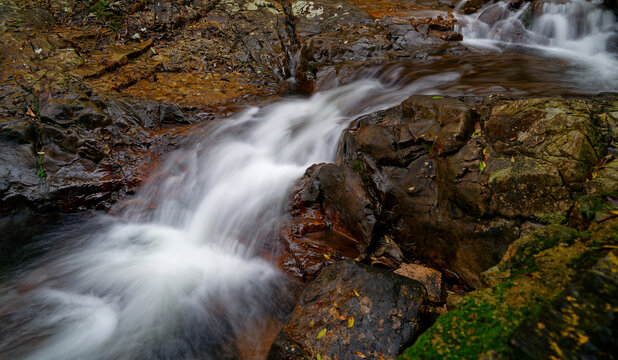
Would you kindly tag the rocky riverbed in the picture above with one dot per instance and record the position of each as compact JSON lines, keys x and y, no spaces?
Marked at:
{"x":477,"y":218}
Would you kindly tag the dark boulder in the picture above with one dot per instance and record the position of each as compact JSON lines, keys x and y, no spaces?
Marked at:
{"x":352,"y":310}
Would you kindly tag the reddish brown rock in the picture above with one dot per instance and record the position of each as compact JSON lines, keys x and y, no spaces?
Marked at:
{"x":430,"y":279}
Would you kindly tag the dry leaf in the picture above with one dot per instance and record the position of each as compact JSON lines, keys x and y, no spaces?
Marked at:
{"x":311,"y":323}
{"x":321,"y":334}
{"x":482,"y":165}
{"x":30,"y":112}
{"x":327,"y":257}
{"x":360,"y":354}
{"x":350,"y":322}
{"x":512,"y":159}
{"x":356,"y":293}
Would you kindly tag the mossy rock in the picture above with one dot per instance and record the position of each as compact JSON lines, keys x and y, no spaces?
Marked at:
{"x":536,"y":270}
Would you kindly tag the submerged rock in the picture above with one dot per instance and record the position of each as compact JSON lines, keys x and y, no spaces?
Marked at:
{"x":352,"y":310}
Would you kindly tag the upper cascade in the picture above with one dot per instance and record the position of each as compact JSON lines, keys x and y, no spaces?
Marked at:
{"x":581,"y":31}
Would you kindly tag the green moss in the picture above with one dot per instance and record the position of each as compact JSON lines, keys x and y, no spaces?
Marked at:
{"x":538,"y":268}
{"x":358,"y":167}
{"x":481,"y":324}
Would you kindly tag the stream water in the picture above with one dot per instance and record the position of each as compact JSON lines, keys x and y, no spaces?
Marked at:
{"x":182,"y":271}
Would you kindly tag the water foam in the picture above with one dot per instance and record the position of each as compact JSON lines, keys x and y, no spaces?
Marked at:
{"x":179,"y":276}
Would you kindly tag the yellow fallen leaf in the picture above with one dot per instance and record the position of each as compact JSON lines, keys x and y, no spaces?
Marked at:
{"x":321,"y":334}
{"x":411,"y":188}
{"x":512,"y":159}
{"x":318,"y":356}
{"x":482,"y":165}
{"x":311,"y":323}
{"x":327,"y":257}
{"x":484,"y":151}
{"x":356,"y":293}
{"x":41,"y":152}
{"x":350,"y":322}
{"x":357,"y":259}
{"x":615,"y":212}
{"x":360,"y":354}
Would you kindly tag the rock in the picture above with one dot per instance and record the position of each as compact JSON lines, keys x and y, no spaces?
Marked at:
{"x":430,"y":279}
{"x":452,"y":300}
{"x":580,"y":323}
{"x":333,"y":218}
{"x":352,"y":309}
{"x":545,"y":298}
{"x":493,"y":13}
{"x":456,"y":181}
{"x":386,"y":253}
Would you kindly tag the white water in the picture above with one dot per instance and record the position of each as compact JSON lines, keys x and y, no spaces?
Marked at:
{"x":577,"y":31}
{"x":180,"y":280}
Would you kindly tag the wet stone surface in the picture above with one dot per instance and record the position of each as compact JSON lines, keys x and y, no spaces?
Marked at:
{"x":352,"y":309}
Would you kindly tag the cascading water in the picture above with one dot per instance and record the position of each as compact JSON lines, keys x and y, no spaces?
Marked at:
{"x":580,"y":31}
{"x":180,"y":276}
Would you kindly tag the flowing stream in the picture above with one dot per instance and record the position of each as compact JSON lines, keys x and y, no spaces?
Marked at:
{"x":180,"y":280}
{"x":182,"y":272}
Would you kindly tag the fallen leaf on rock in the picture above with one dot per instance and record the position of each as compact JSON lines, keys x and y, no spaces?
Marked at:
{"x":29,"y":112}
{"x":311,"y":323}
{"x":360,"y":354}
{"x":318,"y":356}
{"x":327,"y":257}
{"x":512,"y":159}
{"x":350,"y":322}
{"x":356,"y":293}
{"x":321,"y":334}
{"x":482,"y":165}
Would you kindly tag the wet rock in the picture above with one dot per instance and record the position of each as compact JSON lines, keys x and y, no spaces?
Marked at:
{"x":430,"y":279}
{"x":386,"y":253}
{"x":338,"y":40}
{"x":580,"y":323}
{"x":493,"y":13}
{"x":456,"y":181}
{"x":352,"y":309}
{"x":332,"y":218}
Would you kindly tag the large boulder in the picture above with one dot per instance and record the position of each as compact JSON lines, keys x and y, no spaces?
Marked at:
{"x":454,"y":181}
{"x":352,"y":310}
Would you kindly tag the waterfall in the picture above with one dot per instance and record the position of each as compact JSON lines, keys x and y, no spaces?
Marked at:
{"x":579,"y":31}
{"x":180,"y":275}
